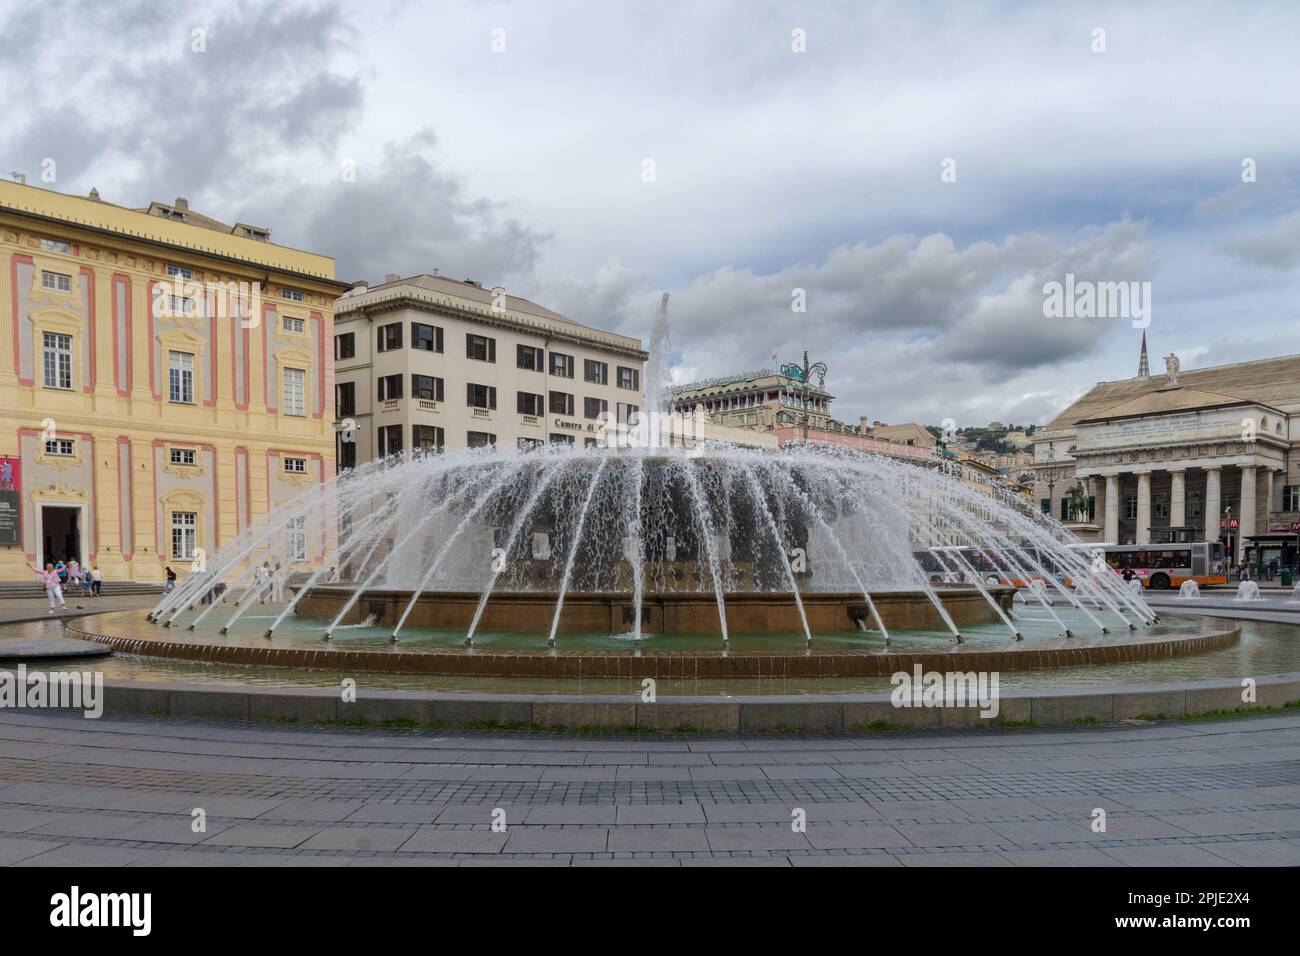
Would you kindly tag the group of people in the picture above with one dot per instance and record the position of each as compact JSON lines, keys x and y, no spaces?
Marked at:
{"x":60,"y":574}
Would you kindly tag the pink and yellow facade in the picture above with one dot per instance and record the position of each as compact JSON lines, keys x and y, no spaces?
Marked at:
{"x":162,"y":384}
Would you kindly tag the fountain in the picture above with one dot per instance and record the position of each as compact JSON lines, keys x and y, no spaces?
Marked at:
{"x":1295,"y":595}
{"x":1189,"y":591}
{"x":1248,"y":591}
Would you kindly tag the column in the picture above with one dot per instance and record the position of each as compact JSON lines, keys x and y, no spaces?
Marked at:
{"x":1111,"y":533}
{"x":1247,"y":503}
{"x":1177,"y":497}
{"x":1212,"y":504}
{"x":1268,"y":497}
{"x":1144,"y":508}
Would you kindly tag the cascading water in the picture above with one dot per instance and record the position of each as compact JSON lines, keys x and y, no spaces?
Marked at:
{"x":1189,"y":591}
{"x":717,"y":521}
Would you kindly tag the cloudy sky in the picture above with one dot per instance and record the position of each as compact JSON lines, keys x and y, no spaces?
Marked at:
{"x":918,"y":172}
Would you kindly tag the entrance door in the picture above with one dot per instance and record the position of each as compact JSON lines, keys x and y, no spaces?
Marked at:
{"x":61,"y":536}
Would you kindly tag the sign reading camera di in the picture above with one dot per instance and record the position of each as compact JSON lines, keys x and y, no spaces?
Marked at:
{"x":11,"y":527}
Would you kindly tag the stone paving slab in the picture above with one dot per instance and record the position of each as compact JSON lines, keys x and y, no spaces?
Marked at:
{"x":119,"y":791}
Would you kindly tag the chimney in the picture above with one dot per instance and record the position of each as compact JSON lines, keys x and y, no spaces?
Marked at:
{"x":876,"y":424}
{"x":181,"y":204}
{"x":862,"y":424}
{"x":19,"y":178}
{"x":94,"y":194}
{"x":392,"y":277}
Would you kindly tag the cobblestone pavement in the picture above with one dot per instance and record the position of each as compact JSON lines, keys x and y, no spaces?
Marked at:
{"x":121,"y":792}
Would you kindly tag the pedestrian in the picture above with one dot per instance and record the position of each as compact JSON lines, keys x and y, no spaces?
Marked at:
{"x":1127,"y":575}
{"x":171,"y":579}
{"x":53,"y":585}
{"x":277,"y":584}
{"x":333,"y":576}
{"x":96,"y":580}
{"x":61,"y":570}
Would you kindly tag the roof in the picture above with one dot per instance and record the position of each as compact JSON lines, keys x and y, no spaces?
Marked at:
{"x":908,"y":431}
{"x":389,"y":295}
{"x":1274,"y":382}
{"x":200,"y":235}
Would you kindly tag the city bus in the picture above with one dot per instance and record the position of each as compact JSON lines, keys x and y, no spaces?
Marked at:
{"x":1164,"y":566}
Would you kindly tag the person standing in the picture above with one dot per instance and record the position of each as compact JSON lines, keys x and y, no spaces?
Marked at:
{"x":53,"y":586}
{"x":96,"y":580}
{"x":171,"y":579}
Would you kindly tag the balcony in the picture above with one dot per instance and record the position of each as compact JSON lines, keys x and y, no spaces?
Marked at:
{"x":425,"y":405}
{"x":530,"y":420}
{"x":390,"y":405}
{"x":482,"y":413}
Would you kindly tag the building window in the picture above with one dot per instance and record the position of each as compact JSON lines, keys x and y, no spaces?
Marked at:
{"x":182,"y":456}
{"x":591,"y":443}
{"x":56,"y":245}
{"x":295,"y":392}
{"x":480,"y":396}
{"x":180,"y":272}
{"x":1194,"y":504}
{"x":181,"y":305}
{"x":390,"y":387}
{"x":426,"y":439}
{"x":295,"y":466}
{"x":185,"y":528}
{"x":528,"y":403}
{"x":1045,"y":504}
{"x":626,"y":413}
{"x":346,"y":452}
{"x":529,"y":358}
{"x":295,"y":539}
{"x":529,"y":444}
{"x":291,"y":324}
{"x":561,"y":365}
{"x":390,"y":440}
{"x":480,"y":347}
{"x":595,"y":372}
{"x":1291,"y":497}
{"x":180,"y":377}
{"x":1131,"y":507}
{"x":345,"y":346}
{"x":56,"y":282}
{"x":480,"y":439}
{"x":561,"y":439}
{"x":629,"y":378}
{"x":594,"y":407}
{"x":64,"y":447}
{"x":58,"y":360}
{"x":1160,"y":506}
{"x":561,"y":403}
{"x":293,"y":295}
{"x":345,"y":398}
{"x":390,"y":337}
{"x":426,"y":387}
{"x":427,"y":338}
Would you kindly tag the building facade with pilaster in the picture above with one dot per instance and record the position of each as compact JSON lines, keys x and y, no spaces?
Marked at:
{"x":1214,"y":450}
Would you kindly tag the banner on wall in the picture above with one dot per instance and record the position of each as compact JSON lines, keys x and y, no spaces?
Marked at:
{"x":11,"y":514}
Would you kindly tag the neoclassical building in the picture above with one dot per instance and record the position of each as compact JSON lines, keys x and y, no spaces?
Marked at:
{"x":165,"y":380}
{"x":1211,"y":449}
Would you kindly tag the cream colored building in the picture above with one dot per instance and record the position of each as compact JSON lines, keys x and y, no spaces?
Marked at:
{"x":1216,"y":449}
{"x":165,"y":381}
{"x":426,"y":362}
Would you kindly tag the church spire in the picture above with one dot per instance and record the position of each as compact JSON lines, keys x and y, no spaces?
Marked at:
{"x":1144,"y":370}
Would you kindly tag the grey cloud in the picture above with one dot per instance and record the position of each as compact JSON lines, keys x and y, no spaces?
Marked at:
{"x":1277,"y":247}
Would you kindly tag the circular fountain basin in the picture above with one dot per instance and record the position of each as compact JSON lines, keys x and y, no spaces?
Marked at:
{"x":760,"y":655}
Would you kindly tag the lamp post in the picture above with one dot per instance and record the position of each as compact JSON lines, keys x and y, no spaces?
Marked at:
{"x":805,"y":373}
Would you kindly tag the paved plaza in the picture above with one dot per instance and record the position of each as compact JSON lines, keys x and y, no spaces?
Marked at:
{"x":122,"y":792}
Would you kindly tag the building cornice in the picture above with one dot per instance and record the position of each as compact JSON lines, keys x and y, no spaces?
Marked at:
{"x":375,"y":305}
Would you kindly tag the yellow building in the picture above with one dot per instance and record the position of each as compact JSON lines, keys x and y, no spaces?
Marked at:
{"x":166,"y":379}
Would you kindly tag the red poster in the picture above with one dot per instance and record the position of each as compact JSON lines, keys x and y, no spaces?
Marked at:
{"x":11,"y":515}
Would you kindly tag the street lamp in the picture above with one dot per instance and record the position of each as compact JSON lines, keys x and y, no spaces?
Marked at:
{"x":805,"y":373}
